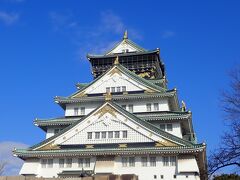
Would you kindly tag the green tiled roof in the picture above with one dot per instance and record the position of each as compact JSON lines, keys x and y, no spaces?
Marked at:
{"x":144,"y":116}
{"x":128,"y":73}
{"x":109,"y":151}
{"x":115,"y":97}
{"x":133,"y":117}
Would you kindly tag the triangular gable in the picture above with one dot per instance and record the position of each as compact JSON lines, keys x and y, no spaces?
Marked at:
{"x":118,"y":76}
{"x":125,"y":46}
{"x":112,"y":112}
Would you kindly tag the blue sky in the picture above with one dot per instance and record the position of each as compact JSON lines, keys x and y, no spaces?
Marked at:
{"x":43,"y":45}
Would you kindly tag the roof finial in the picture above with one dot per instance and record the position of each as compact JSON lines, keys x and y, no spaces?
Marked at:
{"x":184,"y":107}
{"x":125,"y":35}
{"x":108,"y":96}
{"x":116,"y":61}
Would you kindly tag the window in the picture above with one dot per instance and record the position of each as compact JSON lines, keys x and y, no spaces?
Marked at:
{"x":116,"y":134}
{"x":155,"y":176}
{"x":175,"y":176}
{"x":169,"y":127}
{"x":110,"y":134}
{"x":162,"y":127}
{"x":113,"y":89}
{"x":124,"y":161}
{"x":82,"y":110}
{"x":131,"y":161}
{"x":124,"y":88}
{"x":130,"y":108}
{"x":50,"y":163}
{"x":162,"y":176}
{"x":124,"y":134}
{"x":124,"y":106}
{"x":165,"y":161}
{"x":156,"y":107}
{"x":69,"y":163}
{"x":144,"y":161}
{"x":89,"y":135}
{"x":108,"y":89}
{"x":44,"y":163}
{"x":61,"y":163}
{"x":104,"y":135}
{"x":149,"y":107}
{"x":173,"y":160}
{"x":153,"y":161}
{"x":75,"y":111}
{"x":56,"y":131}
{"x":87,"y":162}
{"x":118,"y":89}
{"x":80,"y":162}
{"x":97,"y":135}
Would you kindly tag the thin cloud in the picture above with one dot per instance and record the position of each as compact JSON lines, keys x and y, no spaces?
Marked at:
{"x":8,"y":18}
{"x":94,"y":38}
{"x":168,"y":34}
{"x":13,"y":163}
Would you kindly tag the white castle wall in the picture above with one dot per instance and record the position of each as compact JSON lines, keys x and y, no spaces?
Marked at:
{"x":144,"y":173}
{"x":138,"y":106}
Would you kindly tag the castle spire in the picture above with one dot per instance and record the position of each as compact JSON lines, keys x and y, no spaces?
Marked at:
{"x":125,"y":35}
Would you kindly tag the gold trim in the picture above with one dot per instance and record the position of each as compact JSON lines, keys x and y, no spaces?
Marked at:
{"x":89,"y":146}
{"x":116,"y":61}
{"x":108,"y":96}
{"x":122,"y":145}
{"x":115,"y":71}
{"x":106,"y":109}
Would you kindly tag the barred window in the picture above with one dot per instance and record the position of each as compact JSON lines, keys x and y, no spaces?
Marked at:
{"x":173,"y":160}
{"x":131,"y":161}
{"x":130,"y":108}
{"x":124,"y":134}
{"x":165,"y":161}
{"x":108,"y":89}
{"x":97,"y":135}
{"x":50,"y":163}
{"x":44,"y":163}
{"x":61,"y":163}
{"x":69,"y":162}
{"x":80,"y":162}
{"x":144,"y":161}
{"x":87,"y":162}
{"x":149,"y":107}
{"x":89,"y":135}
{"x":75,"y":111}
{"x":117,"y":134}
{"x":82,"y":110}
{"x":110,"y":134}
{"x":169,"y":127}
{"x":124,"y":161}
{"x":104,"y":135}
{"x":162,"y":127}
{"x":156,"y":107}
{"x":153,"y":161}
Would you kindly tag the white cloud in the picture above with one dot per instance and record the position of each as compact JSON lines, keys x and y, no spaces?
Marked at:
{"x":13,"y":163}
{"x":168,"y":34}
{"x":95,"y":38}
{"x":8,"y":18}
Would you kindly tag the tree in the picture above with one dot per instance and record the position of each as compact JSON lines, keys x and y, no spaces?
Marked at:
{"x":228,"y":153}
{"x":227,"y":177}
{"x":2,"y":167}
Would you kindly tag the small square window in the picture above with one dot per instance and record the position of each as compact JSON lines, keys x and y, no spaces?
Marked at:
{"x":153,"y":161}
{"x":169,"y":127}
{"x":124,"y":134}
{"x":124,"y":161}
{"x":104,"y":135}
{"x":108,"y":89}
{"x":156,"y":107}
{"x":61,"y":163}
{"x":75,"y":111}
{"x":87,"y":162}
{"x":50,"y":163}
{"x":174,"y":176}
{"x":116,"y":134}
{"x":149,"y":107}
{"x":165,"y":161}
{"x":110,"y":134}
{"x":155,"y":176}
{"x":113,"y":89}
{"x":82,"y":110}
{"x":131,"y":161}
{"x":97,"y":135}
{"x":80,"y":162}
{"x":124,"y":88}
{"x":118,"y":89}
{"x":69,"y":163}
{"x":162,"y":127}
{"x":144,"y":161}
{"x":162,"y":176}
{"x":89,"y":135}
{"x":44,"y":163}
{"x":130,"y":108}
